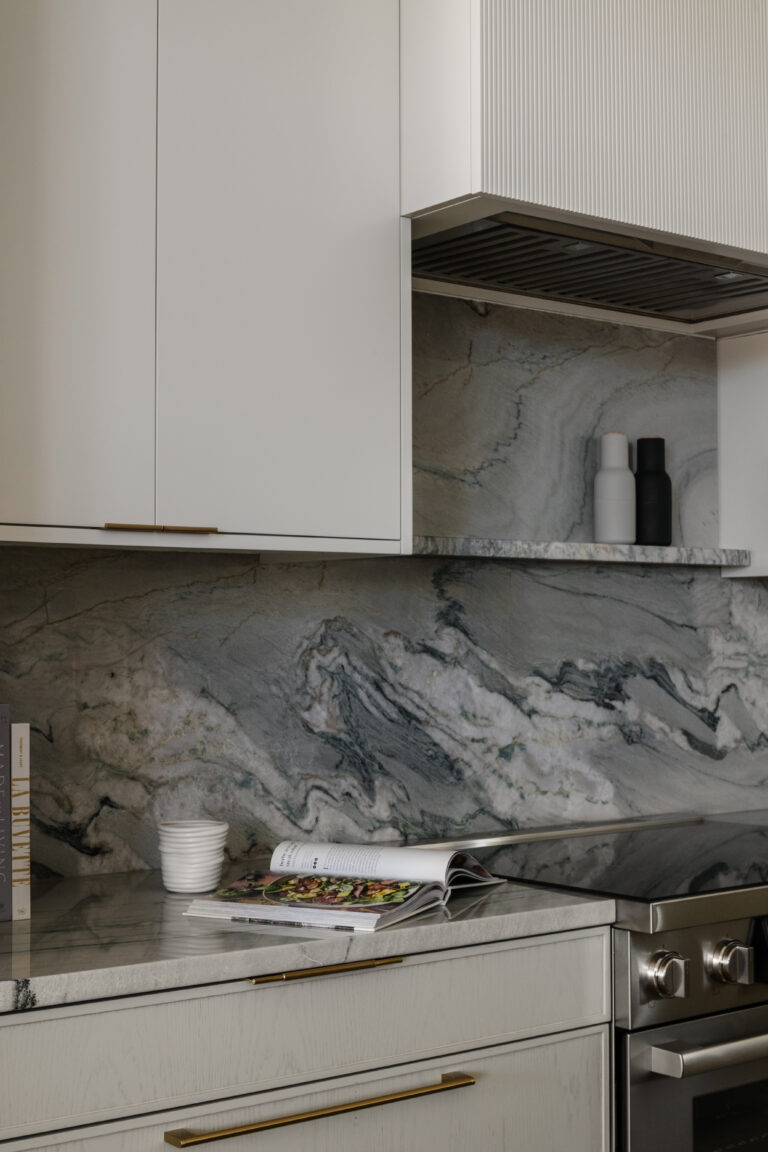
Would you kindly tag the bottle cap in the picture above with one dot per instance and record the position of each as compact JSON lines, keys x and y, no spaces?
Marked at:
{"x":650,"y":454}
{"x":614,"y":450}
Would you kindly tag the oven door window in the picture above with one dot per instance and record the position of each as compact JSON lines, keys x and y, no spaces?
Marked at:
{"x":732,"y":1119}
{"x":696,"y":1086}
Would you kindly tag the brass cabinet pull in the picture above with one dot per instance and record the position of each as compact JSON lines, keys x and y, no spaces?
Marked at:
{"x":110,"y":527}
{"x":184,"y":1138}
{"x":325,"y":970}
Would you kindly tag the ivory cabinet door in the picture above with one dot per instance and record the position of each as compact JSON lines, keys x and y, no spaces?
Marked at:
{"x":144,"y":1054}
{"x":536,"y":1096}
{"x":278,"y":389}
{"x":77,"y":264}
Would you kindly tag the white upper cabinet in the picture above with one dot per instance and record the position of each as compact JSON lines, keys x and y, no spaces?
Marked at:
{"x":278,"y":377}
{"x":77,"y":261}
{"x":742,"y":363}
{"x":649,"y":114}
{"x":200,"y":290}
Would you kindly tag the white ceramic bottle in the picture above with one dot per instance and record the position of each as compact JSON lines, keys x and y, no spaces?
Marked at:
{"x":614,"y":495}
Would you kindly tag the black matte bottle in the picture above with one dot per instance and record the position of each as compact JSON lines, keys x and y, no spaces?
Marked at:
{"x":653,"y":493}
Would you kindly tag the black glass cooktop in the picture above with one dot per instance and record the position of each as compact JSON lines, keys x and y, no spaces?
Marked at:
{"x":648,"y":864}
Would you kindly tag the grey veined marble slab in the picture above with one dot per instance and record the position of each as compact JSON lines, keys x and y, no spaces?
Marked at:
{"x":97,"y":937}
{"x":509,"y":405}
{"x":373,"y":700}
{"x":576,"y":550}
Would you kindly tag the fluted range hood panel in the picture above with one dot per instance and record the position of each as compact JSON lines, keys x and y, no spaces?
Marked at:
{"x":524,"y":256}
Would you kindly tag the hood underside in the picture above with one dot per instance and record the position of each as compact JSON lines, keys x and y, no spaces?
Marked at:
{"x":524,"y":256}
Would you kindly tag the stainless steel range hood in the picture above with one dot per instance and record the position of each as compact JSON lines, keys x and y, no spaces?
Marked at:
{"x":552,"y":260}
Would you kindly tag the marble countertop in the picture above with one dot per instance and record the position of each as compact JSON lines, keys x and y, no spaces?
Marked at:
{"x":105,"y":936}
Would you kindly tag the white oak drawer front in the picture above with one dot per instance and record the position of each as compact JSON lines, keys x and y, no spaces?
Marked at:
{"x":535,"y":1096}
{"x":96,"y":1062}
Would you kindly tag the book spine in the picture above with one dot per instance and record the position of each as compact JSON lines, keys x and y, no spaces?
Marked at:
{"x":21,"y":855}
{"x":6,"y":909}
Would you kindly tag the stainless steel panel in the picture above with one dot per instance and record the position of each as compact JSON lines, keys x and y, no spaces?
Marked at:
{"x":557,"y":831}
{"x":690,"y":911}
{"x":637,"y":1004}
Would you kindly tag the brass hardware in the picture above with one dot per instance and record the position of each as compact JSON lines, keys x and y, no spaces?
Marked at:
{"x":184,"y":1138}
{"x":326,"y":970}
{"x":160,"y":528}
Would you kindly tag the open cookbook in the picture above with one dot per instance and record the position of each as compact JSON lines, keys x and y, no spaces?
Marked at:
{"x":352,"y":886}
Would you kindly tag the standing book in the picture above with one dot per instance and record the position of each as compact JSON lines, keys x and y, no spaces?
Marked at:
{"x":6,"y":905}
{"x":347,"y":886}
{"x":20,"y":830}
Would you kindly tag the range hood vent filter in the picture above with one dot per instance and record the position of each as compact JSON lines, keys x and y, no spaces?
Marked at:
{"x":510,"y":253}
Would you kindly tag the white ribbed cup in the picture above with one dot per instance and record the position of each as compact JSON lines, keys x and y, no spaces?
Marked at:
{"x":192,"y":854}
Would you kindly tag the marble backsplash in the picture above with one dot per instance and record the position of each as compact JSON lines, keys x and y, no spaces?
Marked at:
{"x":372,"y":699}
{"x":509,"y":405}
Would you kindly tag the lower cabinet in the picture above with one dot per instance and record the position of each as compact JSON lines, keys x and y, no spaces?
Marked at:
{"x":536,"y":1096}
{"x":495,"y":1046}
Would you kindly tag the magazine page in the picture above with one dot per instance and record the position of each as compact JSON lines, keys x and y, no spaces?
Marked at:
{"x":367,"y":861}
{"x":327,"y":892}
{"x":465,"y":871}
{"x":316,"y":900}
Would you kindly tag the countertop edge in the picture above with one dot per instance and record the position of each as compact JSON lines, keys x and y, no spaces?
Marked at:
{"x":513,"y":911}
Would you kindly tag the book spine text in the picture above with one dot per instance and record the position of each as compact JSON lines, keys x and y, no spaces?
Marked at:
{"x":20,"y":827}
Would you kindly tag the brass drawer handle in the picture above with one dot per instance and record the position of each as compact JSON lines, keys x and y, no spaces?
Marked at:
{"x":110,"y":527}
{"x":184,"y":1138}
{"x":325,"y":970}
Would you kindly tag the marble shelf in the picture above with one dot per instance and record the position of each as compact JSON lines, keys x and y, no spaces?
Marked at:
{"x":577,"y":551}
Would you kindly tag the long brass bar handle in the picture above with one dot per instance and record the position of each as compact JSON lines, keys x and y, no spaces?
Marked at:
{"x":324,"y":970}
{"x":193,"y":529}
{"x":184,"y":1138}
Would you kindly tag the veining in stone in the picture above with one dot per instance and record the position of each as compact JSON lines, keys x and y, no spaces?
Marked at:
{"x":509,"y":405}
{"x":577,"y":550}
{"x":373,"y":699}
{"x":23,"y":997}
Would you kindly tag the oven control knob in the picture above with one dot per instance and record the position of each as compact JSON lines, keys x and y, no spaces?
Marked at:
{"x":732,"y":962}
{"x":667,"y":974}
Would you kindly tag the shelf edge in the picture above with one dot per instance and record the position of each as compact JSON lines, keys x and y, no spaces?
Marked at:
{"x":489,"y":549}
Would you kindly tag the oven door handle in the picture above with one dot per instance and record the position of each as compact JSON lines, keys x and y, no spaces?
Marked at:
{"x":680,"y":1062}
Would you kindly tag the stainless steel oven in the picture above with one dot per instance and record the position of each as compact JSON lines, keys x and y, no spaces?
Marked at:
{"x":691,"y":1043}
{"x":690,"y":969}
{"x":691,"y":1039}
{"x":696,"y":1086}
